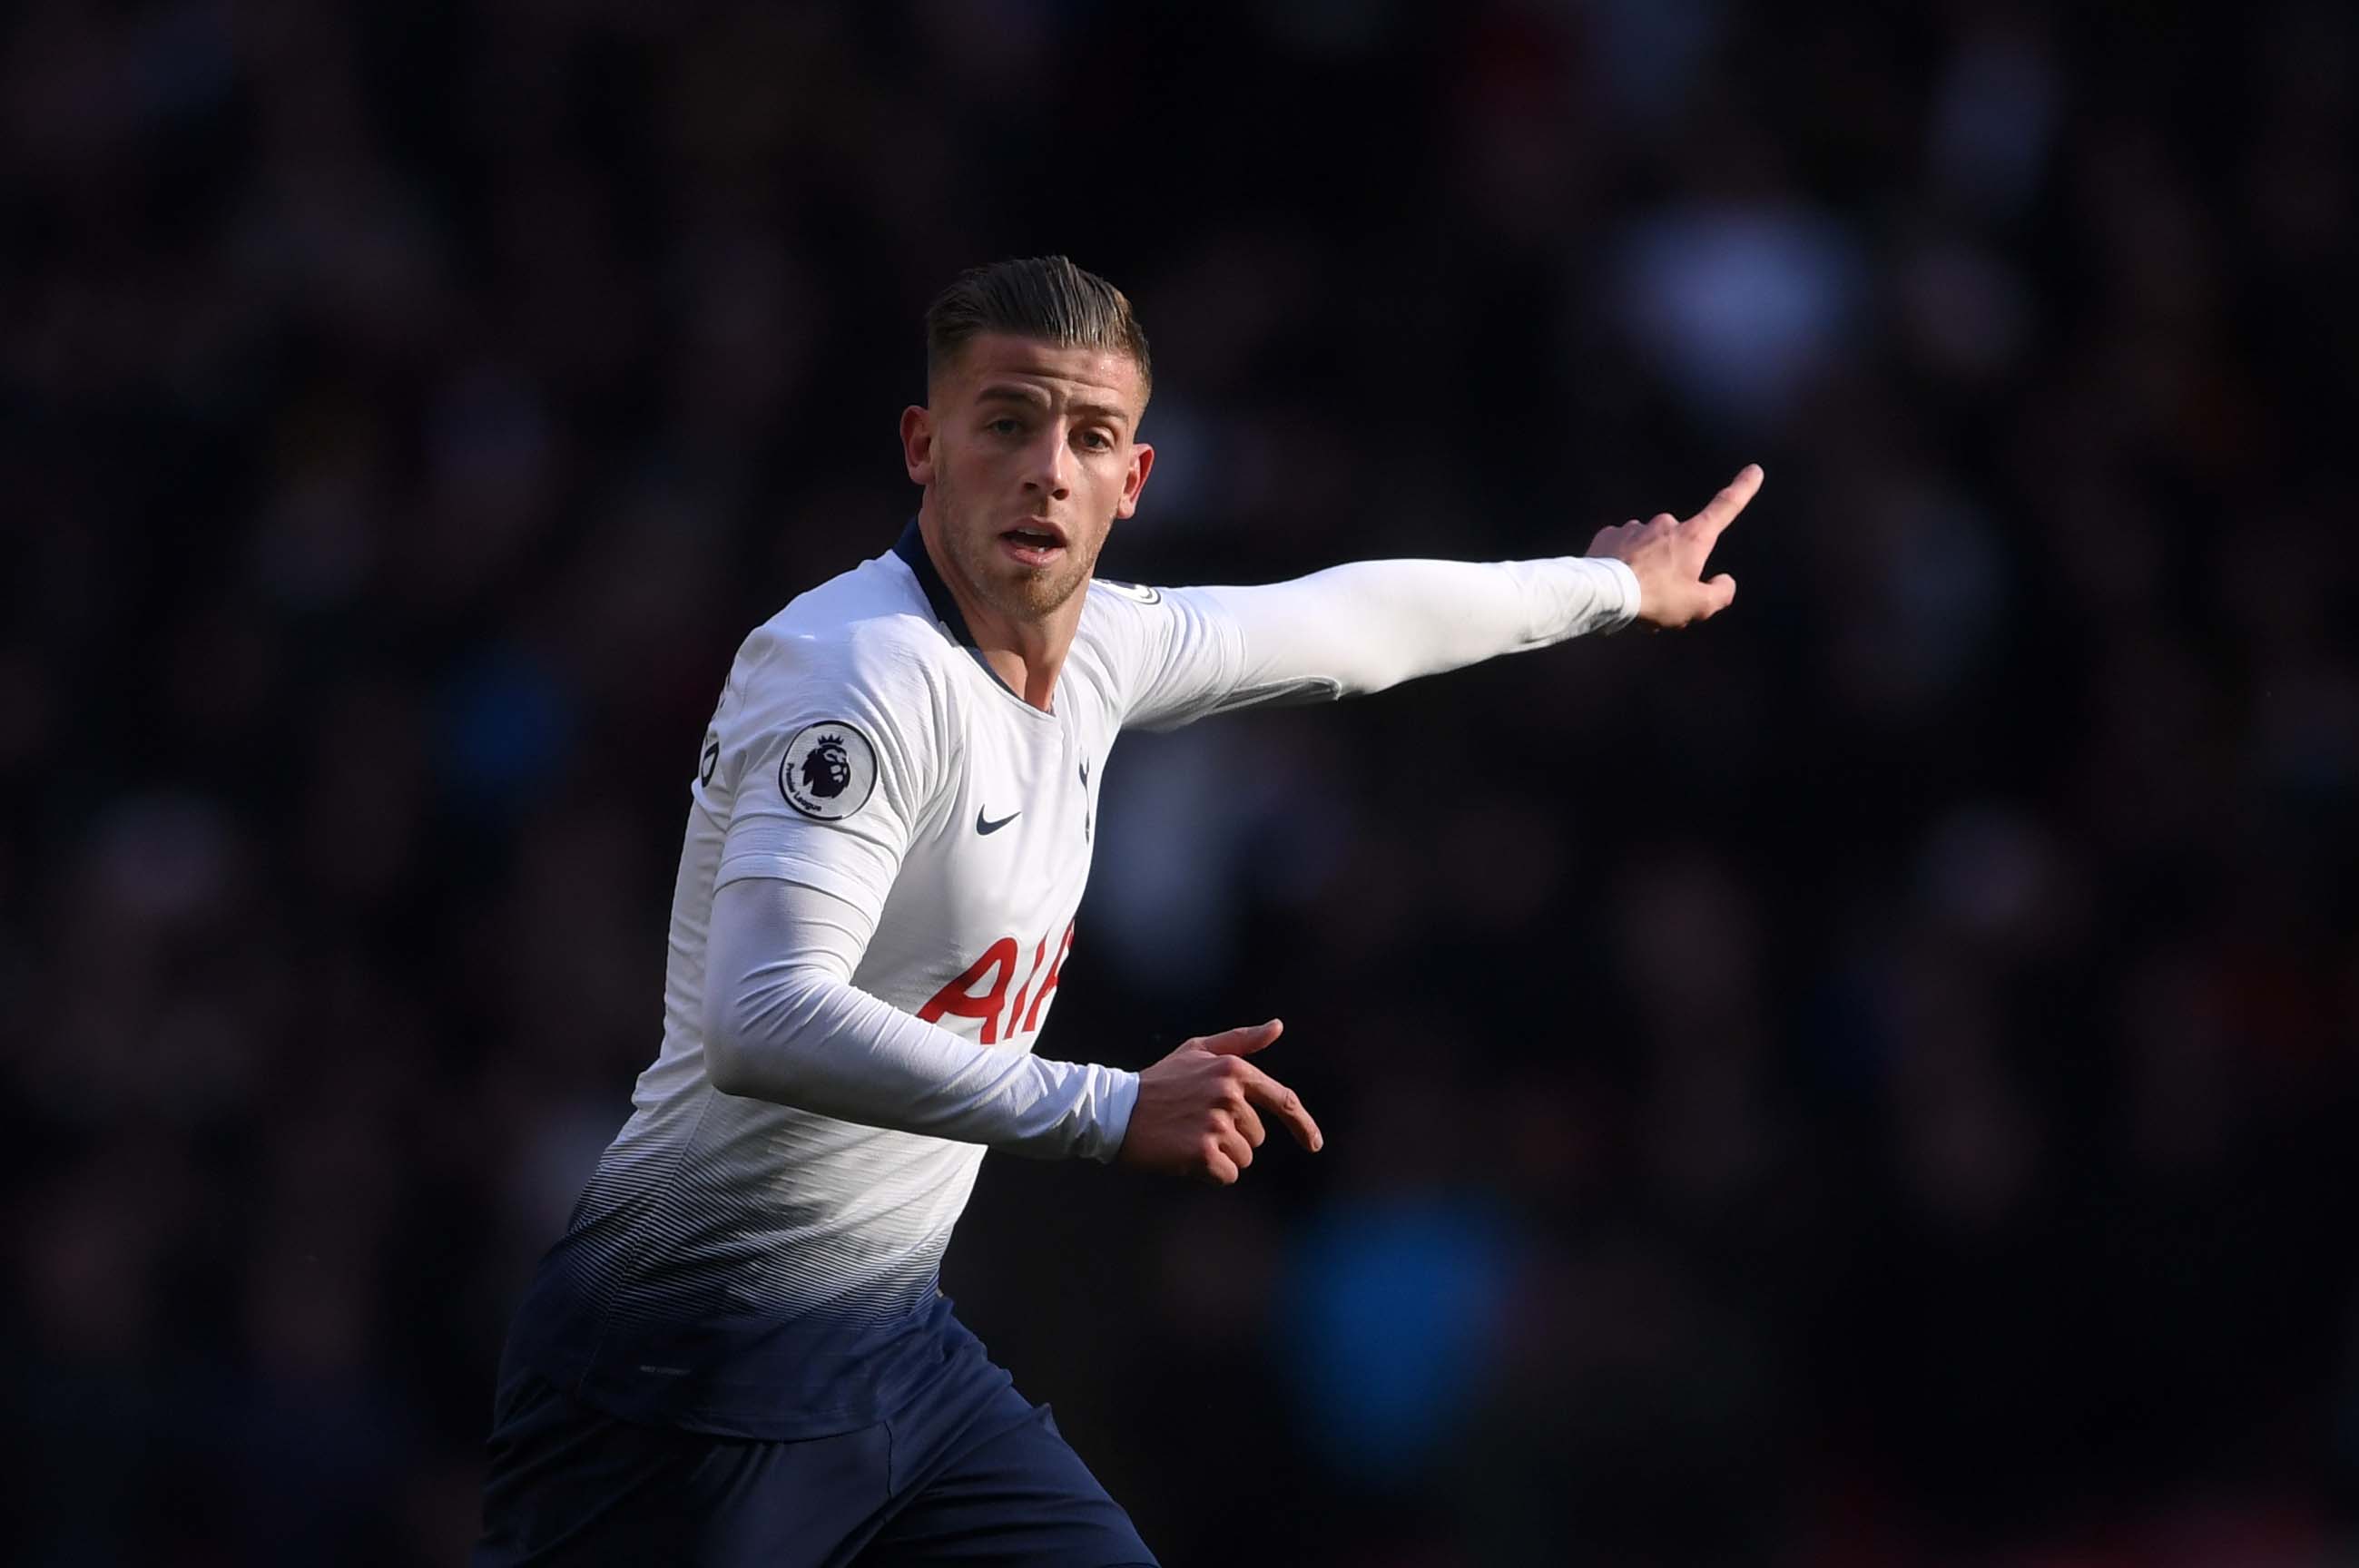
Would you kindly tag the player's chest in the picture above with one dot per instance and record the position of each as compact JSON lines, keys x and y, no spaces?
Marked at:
{"x":1011,"y":838}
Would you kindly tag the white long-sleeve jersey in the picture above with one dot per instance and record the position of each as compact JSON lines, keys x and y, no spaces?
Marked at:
{"x":886,"y":851}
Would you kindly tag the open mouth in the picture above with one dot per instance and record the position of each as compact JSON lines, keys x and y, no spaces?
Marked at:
{"x":1033,"y":543}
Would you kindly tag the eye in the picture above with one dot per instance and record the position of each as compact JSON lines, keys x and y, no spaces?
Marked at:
{"x":1005,"y":425}
{"x":1097,"y":440}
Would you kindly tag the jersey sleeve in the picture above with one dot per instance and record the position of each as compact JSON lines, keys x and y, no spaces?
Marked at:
{"x":784,"y":1023}
{"x":1361,"y":628}
{"x":831,"y":755}
{"x":1351,"y":630}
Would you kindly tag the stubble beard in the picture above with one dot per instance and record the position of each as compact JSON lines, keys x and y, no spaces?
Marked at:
{"x":1034,"y":594}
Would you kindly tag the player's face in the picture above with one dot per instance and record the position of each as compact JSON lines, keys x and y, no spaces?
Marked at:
{"x":1028,"y":452}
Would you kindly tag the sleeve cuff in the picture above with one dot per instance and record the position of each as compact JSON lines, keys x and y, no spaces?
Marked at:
{"x":1626,"y":582}
{"x":1103,"y":1141}
{"x":1578,"y":596}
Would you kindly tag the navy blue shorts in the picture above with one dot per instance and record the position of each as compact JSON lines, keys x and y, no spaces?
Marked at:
{"x":570,"y":1484}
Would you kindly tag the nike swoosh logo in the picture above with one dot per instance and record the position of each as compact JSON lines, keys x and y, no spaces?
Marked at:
{"x":984,"y":825}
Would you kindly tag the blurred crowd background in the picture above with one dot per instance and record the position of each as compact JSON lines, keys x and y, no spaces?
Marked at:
{"x":1869,"y":1081}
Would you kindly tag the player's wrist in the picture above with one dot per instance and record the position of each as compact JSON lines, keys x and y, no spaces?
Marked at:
{"x":1101,"y":1134}
{"x":1620,"y":594}
{"x":1626,"y":585}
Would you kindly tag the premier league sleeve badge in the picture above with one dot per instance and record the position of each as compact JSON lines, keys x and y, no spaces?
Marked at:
{"x":828,"y":769}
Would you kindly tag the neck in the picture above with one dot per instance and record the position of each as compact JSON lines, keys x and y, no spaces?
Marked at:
{"x":1025,"y":651}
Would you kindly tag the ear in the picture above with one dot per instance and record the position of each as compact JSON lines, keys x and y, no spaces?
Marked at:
{"x":1142,"y":463}
{"x":918,"y":444}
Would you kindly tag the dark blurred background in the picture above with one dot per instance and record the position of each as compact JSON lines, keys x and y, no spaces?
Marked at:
{"x":1868,"y":1081}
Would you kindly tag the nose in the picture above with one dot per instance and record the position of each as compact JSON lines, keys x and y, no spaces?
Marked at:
{"x":1048,"y":466}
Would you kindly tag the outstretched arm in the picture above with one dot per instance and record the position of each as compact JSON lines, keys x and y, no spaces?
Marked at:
{"x":1360,"y":628}
{"x":1371,"y":624}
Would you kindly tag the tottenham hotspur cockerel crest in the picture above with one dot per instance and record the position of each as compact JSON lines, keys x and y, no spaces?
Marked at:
{"x":829,"y":770}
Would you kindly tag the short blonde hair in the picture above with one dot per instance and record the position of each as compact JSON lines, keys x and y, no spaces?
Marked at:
{"x":1047,"y":297}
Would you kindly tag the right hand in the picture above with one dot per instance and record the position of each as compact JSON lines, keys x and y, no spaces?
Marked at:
{"x":1196,"y":1114}
{"x":1668,"y":556}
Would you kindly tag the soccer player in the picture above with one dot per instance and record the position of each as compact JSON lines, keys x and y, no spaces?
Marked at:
{"x":739,"y":1352}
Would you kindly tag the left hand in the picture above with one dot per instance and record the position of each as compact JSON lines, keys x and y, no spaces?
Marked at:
{"x":1666,"y":555}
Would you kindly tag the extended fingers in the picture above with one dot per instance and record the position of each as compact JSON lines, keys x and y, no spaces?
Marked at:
{"x":1226,"y":1140}
{"x":1721,"y":509}
{"x":1244,"y":1042}
{"x":1234,"y":1121}
{"x":1267,"y":1092}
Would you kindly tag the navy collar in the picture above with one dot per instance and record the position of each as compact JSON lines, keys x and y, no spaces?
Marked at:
{"x":911,"y":547}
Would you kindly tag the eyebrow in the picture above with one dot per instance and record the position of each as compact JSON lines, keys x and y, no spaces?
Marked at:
{"x":1016,"y":392}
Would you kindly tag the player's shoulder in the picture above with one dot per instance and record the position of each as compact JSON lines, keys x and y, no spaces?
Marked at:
{"x":1116,"y":611}
{"x":1137,"y":617}
{"x":1118,"y":597}
{"x":866,"y":632}
{"x":1116,"y":626}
